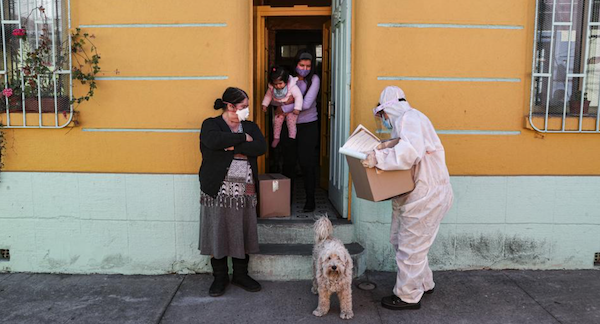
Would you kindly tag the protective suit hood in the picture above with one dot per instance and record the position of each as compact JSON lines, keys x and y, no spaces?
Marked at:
{"x":393,"y":101}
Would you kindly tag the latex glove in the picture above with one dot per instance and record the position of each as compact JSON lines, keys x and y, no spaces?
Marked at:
{"x":370,"y":161}
{"x":388,"y":144}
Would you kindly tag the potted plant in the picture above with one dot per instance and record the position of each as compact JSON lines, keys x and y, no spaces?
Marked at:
{"x":37,"y":95}
{"x":575,"y":103}
{"x":33,"y":76}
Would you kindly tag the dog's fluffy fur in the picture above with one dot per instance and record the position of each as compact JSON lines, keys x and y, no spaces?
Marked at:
{"x":332,"y":270}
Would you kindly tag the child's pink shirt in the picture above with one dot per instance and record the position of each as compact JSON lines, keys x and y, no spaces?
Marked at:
{"x":293,"y":90}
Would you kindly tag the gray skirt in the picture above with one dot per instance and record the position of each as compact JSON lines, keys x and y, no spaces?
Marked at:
{"x":228,"y":221}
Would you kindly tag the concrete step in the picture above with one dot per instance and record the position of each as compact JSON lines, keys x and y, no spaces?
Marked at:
{"x":300,"y":231}
{"x":294,"y":261}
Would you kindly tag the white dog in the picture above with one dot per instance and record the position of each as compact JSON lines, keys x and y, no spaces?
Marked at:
{"x":332,"y":270}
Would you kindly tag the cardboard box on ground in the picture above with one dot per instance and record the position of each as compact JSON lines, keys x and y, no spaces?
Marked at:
{"x":371,"y":183}
{"x":275,"y":190}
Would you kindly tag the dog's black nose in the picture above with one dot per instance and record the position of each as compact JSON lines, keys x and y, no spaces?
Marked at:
{"x":334,"y":267}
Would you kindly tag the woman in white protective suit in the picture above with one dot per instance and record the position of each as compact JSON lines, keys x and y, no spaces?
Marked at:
{"x":416,"y":216}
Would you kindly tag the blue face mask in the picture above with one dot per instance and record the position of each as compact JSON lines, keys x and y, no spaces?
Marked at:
{"x":386,"y":123}
{"x":280,"y":93}
{"x":302,"y":73}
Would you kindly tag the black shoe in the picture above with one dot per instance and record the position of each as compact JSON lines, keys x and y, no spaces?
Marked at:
{"x":241,"y":277}
{"x":309,"y":208}
{"x":394,"y":302}
{"x":221,"y":274}
{"x":430,"y":291}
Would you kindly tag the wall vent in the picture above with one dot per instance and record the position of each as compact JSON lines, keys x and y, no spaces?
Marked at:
{"x":597,"y":259}
{"x":4,"y":255}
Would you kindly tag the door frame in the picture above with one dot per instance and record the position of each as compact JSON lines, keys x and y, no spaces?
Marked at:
{"x":341,"y":120}
{"x":260,"y":62}
{"x":259,"y":83}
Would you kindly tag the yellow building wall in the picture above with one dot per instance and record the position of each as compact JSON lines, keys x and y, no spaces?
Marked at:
{"x":151,"y":51}
{"x":377,"y":51}
{"x":479,"y":106}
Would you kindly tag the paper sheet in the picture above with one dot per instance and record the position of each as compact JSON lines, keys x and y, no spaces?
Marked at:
{"x":352,"y":153}
{"x":360,"y":142}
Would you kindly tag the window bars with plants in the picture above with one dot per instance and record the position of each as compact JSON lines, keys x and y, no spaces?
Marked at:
{"x":565,"y":85}
{"x":40,"y":61}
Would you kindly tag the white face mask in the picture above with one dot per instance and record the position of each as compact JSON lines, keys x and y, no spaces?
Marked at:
{"x":243,"y":114}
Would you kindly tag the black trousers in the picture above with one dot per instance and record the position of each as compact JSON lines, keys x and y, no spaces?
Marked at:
{"x":304,"y":150}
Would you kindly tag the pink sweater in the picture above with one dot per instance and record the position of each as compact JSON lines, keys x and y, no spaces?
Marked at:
{"x":293,"y":90}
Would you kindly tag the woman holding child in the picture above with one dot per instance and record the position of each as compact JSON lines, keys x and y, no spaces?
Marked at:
{"x":304,"y":149}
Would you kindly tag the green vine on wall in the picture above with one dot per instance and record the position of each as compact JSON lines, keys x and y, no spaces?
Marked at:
{"x":87,"y":63}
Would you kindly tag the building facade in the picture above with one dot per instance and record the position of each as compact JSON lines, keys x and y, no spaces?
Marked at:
{"x":118,"y":192}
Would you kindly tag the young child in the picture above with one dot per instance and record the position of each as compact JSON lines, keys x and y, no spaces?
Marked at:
{"x":281,"y":87}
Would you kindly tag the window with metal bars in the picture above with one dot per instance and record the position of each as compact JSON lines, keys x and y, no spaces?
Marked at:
{"x":565,"y":89}
{"x":35,"y":70}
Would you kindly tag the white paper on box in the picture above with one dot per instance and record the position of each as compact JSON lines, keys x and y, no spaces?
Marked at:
{"x":359,"y":143}
{"x":353,"y":153}
{"x":371,"y":183}
{"x":275,"y":185}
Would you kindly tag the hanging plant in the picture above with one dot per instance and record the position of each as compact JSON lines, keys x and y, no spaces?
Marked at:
{"x":87,"y":63}
{"x":38,"y":61}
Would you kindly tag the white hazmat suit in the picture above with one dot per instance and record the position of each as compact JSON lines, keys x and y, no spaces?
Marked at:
{"x":416,"y":216}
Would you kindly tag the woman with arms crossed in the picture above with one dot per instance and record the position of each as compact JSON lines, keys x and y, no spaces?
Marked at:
{"x":230,"y":146}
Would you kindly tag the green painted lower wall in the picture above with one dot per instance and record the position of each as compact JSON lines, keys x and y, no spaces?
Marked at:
{"x":500,"y":223}
{"x":149,"y":224}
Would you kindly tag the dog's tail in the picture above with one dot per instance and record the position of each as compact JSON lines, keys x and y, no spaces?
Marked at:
{"x":323,"y":229}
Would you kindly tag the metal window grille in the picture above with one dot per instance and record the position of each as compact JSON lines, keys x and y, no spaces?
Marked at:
{"x":565,"y":87}
{"x":48,"y":93}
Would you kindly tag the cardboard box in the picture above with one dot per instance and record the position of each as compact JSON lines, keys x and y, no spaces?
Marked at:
{"x":371,"y":183}
{"x":274,"y":195}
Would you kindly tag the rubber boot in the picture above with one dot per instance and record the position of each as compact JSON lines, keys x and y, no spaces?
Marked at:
{"x":241,"y":277}
{"x":221,"y":274}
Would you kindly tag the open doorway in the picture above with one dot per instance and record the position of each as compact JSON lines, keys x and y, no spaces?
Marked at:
{"x":278,"y":38}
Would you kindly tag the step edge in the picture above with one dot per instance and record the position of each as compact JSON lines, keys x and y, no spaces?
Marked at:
{"x":306,"y":249}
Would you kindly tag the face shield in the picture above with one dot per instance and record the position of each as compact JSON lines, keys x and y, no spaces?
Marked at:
{"x":383,"y":125}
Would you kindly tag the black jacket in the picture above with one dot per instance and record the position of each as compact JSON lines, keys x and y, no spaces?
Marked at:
{"x":215,"y":137}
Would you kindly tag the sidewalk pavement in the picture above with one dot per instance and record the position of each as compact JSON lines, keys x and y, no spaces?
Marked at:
{"x":460,"y":297}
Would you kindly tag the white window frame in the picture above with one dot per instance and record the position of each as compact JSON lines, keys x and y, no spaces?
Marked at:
{"x":535,"y":75}
{"x":55,"y":74}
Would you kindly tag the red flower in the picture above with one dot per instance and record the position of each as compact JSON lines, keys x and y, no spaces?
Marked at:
{"x":7,"y":92}
{"x":19,"y":32}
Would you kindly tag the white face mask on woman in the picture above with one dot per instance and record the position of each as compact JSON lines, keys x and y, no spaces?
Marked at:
{"x":243,"y":113}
